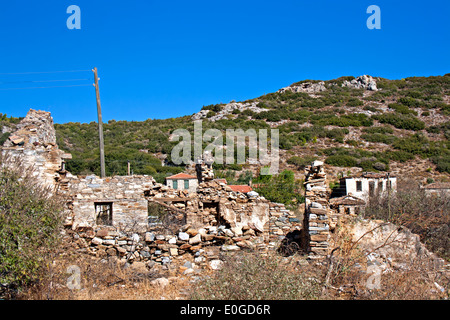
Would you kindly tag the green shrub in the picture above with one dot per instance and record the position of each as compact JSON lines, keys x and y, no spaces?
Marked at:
{"x":337,"y":134}
{"x":410,"y":102}
{"x":282,"y":188}
{"x":399,"y":155}
{"x":210,"y":114}
{"x":30,"y":226}
{"x":341,"y":161}
{"x":214,"y":107}
{"x":442,"y":163}
{"x":371,"y":108}
{"x":401,"y":121}
{"x":379,"y":137}
{"x":402,"y":109}
{"x":330,"y":119}
{"x":301,"y":162}
{"x":4,"y":137}
{"x":354,"y":102}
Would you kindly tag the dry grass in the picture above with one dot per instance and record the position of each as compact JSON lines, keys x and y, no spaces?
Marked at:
{"x":349,"y":275}
{"x":257,"y":276}
{"x":102,"y":279}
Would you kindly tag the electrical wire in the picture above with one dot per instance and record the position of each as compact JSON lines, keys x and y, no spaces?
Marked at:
{"x":42,"y":72}
{"x":75,"y":85}
{"x":40,"y":81}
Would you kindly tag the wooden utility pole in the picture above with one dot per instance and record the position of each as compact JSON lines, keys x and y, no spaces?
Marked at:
{"x":100,"y":125}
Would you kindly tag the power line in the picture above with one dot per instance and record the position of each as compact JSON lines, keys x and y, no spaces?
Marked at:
{"x":42,"y":72}
{"x":75,"y":85}
{"x":40,"y":81}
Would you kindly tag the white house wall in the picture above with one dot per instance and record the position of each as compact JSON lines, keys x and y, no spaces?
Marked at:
{"x":364,"y":194}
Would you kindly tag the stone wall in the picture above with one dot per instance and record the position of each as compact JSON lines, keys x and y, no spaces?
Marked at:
{"x":204,"y":246}
{"x":34,"y":146}
{"x":317,"y":210}
{"x":125,"y":193}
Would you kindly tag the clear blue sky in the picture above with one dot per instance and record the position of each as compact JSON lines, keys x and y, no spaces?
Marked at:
{"x":162,"y":59}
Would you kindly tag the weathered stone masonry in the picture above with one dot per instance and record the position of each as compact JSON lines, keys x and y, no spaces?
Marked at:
{"x":34,"y":142}
{"x":317,"y":210}
{"x":109,"y":216}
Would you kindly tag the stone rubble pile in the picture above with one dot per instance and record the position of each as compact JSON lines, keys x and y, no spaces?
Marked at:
{"x":202,"y":246}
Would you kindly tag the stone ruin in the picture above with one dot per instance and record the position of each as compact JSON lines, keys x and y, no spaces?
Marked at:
{"x":113,"y":216}
{"x":110,"y":216}
{"x":317,"y":210}
{"x":34,"y":142}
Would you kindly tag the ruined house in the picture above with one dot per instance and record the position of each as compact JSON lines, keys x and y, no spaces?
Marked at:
{"x":102,"y":208}
{"x":368,"y":184}
{"x":114,"y":201}
{"x":437,"y":188}
{"x":347,"y":205}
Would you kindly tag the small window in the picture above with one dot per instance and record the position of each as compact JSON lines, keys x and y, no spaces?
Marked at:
{"x":175,"y":184}
{"x":358,"y":186}
{"x":380,"y":186}
{"x":103,"y":213}
{"x":371,"y":188}
{"x":186,"y":184}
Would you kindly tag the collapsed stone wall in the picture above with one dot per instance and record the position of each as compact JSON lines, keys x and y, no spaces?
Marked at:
{"x":33,"y":145}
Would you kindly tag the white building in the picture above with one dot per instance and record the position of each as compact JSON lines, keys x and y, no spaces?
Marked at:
{"x":368,"y":184}
{"x":182,"y":181}
{"x":437,"y":188}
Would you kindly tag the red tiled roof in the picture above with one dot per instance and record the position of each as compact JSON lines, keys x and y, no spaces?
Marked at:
{"x":181,"y":176}
{"x":221,"y":180}
{"x":241,"y":188}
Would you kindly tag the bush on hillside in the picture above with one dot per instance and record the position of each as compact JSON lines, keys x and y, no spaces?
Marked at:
{"x":401,"y":121}
{"x":30,"y":225}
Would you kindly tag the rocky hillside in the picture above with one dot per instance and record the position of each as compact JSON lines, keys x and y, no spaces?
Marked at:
{"x":353,"y":124}
{"x":364,"y":123}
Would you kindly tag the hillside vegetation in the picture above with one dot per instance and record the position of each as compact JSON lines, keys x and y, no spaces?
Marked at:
{"x":347,"y":127}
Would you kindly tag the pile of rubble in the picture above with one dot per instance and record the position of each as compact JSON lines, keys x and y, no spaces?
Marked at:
{"x":156,"y":248}
{"x":317,"y":209}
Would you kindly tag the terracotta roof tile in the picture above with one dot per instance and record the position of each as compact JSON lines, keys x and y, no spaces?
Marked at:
{"x":181,"y":176}
{"x":241,"y":188}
